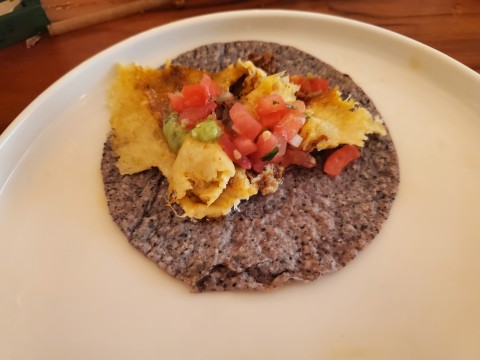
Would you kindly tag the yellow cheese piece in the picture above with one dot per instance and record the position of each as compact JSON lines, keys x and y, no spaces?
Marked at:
{"x":333,"y":121}
{"x":228,"y":76}
{"x":252,"y":76}
{"x":238,"y":188}
{"x":202,"y":168}
{"x":138,"y":139}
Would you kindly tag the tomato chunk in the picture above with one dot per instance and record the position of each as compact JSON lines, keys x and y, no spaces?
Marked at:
{"x":191,"y":116}
{"x":245,"y":145}
{"x":271,"y":151}
{"x":195,"y":95}
{"x":270,"y":104}
{"x":176,"y":101}
{"x":271,"y":119}
{"x":340,"y":158}
{"x":265,"y":144}
{"x":318,"y":85}
{"x":310,"y":86}
{"x":258,"y":165}
{"x":196,"y":101}
{"x":213,"y":89}
{"x":233,"y":153}
{"x":289,"y":126}
{"x":271,"y":109}
{"x":297,"y":106}
{"x":282,"y":147}
{"x":297,"y":157}
{"x":243,"y":122}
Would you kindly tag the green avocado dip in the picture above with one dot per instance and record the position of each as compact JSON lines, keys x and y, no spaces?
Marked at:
{"x":206,"y":130}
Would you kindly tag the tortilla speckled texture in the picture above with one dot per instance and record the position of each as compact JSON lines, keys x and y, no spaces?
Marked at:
{"x":313,"y":225}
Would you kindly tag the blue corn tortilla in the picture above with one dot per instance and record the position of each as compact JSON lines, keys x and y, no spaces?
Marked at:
{"x":313,"y":225}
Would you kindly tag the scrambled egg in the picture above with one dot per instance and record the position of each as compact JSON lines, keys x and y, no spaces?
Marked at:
{"x":239,"y":188}
{"x":202,"y":168}
{"x":138,"y":139}
{"x":333,"y":121}
{"x":202,"y":178}
{"x":233,"y":73}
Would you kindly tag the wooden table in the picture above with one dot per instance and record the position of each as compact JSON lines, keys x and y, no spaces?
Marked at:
{"x":451,"y":26}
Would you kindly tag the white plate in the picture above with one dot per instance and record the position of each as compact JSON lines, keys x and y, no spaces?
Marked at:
{"x":73,"y":288}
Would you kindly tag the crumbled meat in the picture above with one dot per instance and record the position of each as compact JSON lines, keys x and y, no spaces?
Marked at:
{"x":222,"y":110}
{"x":269,"y":179}
{"x":237,"y":87}
{"x":301,"y":95}
{"x":265,"y":61}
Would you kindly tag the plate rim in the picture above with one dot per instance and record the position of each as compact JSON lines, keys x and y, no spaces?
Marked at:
{"x":12,"y":152}
{"x":16,"y":123}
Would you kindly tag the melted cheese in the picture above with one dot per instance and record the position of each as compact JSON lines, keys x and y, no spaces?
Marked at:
{"x":229,"y":76}
{"x":202,"y":168}
{"x":238,"y":188}
{"x":138,"y":139}
{"x":333,"y":121}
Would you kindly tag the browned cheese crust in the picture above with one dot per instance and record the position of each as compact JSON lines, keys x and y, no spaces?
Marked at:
{"x":313,"y":225}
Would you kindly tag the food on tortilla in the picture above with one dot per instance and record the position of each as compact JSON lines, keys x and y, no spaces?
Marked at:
{"x":212,"y":144}
{"x":308,"y":225}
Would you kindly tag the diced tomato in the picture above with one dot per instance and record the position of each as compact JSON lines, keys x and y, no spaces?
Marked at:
{"x":310,"y":86}
{"x":243,"y":122}
{"x":227,"y":144}
{"x":233,"y":153}
{"x":271,"y":119}
{"x":195,"y":95}
{"x":289,"y":126}
{"x":318,"y":85}
{"x":271,"y":109}
{"x":270,"y":104}
{"x":176,"y":101}
{"x":269,"y":146}
{"x":266,"y":143}
{"x":282,"y":147}
{"x":191,"y":116}
{"x":298,"y":157}
{"x":200,"y":94}
{"x":245,"y":145}
{"x":241,"y":160}
{"x":340,"y":158}
{"x":195,"y":100}
{"x":213,"y":89}
{"x":297,"y":105}
{"x":258,"y":165}
{"x":299,"y":80}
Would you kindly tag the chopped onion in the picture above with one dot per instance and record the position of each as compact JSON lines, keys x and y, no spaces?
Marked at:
{"x":225,"y":97}
{"x":296,"y":140}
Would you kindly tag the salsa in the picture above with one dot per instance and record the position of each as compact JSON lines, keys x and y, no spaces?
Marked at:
{"x":269,"y":135}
